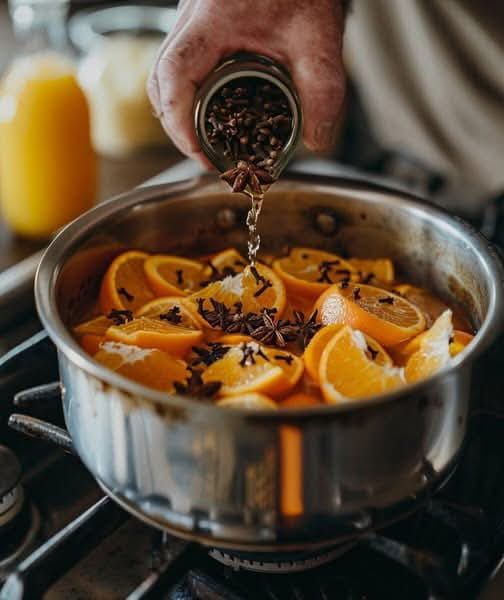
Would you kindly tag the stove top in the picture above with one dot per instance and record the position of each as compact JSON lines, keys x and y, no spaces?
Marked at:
{"x":60,"y":537}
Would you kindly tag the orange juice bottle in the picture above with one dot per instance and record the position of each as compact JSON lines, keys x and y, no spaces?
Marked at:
{"x":47,"y":163}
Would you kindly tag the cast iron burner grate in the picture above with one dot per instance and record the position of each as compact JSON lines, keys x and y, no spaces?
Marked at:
{"x":446,"y":550}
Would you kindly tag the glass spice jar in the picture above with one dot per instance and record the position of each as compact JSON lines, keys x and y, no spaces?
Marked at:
{"x":247,"y":67}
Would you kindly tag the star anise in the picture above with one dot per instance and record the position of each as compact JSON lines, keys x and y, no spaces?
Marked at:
{"x":237,"y":320}
{"x":119,"y":317}
{"x":208,"y":356}
{"x":172,"y":315}
{"x":306,"y":329}
{"x":247,"y":175}
{"x":194,"y":386}
{"x":273,"y":333}
{"x":218,"y":317}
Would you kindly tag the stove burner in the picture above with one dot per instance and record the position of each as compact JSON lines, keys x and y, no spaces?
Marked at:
{"x":19,"y":520}
{"x":293,"y":562}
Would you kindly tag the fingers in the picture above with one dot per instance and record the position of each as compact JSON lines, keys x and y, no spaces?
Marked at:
{"x":183,"y":64}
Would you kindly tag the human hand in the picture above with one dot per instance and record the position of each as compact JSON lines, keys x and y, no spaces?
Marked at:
{"x":306,"y":37}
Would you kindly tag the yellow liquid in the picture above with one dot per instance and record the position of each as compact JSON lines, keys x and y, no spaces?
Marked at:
{"x":47,"y":164}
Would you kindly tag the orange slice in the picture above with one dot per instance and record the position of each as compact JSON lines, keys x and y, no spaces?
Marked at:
{"x":381,"y":269}
{"x":146,"y":332}
{"x":124,"y":286}
{"x":431,"y":306}
{"x":227,"y":262}
{"x":307,"y":272}
{"x":386,"y":317}
{"x":318,"y":343}
{"x":299,"y":400}
{"x":434,"y":352}
{"x":173,"y":275}
{"x":252,"y":401}
{"x":153,"y":368}
{"x":346,"y":371}
{"x":253,"y":368}
{"x":268,"y":292}
{"x":172,"y":309}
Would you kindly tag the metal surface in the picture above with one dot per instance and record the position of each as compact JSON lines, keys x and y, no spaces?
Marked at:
{"x":216,"y":475}
{"x":16,"y":285}
{"x":41,"y":430}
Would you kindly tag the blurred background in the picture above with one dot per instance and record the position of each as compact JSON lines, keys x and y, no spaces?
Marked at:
{"x":111,"y":70}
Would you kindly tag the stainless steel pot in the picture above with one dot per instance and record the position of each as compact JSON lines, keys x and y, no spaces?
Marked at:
{"x":226,"y":477}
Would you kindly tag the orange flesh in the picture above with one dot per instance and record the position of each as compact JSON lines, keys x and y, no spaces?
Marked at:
{"x":364,"y":346}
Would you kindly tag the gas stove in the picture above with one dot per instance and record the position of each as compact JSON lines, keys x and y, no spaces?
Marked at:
{"x":61,"y":537}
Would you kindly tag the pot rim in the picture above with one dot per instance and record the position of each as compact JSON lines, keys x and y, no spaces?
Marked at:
{"x":64,"y":243}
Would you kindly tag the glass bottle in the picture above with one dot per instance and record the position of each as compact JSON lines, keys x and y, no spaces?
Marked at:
{"x":47,"y":163}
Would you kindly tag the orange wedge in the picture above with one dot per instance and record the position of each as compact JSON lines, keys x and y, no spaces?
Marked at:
{"x":319,"y":341}
{"x":95,"y":326}
{"x":153,"y":368}
{"x":461,"y":339}
{"x":300,"y":399}
{"x":91,"y":334}
{"x":124,"y":286}
{"x":251,"y":367}
{"x":268,"y":292}
{"x":378,"y":269}
{"x":307,"y":272}
{"x":434,"y":352}
{"x":173,"y":275}
{"x":403,"y":351}
{"x":386,"y":317}
{"x":172,"y":309}
{"x":91,"y":343}
{"x":346,"y":371}
{"x":146,"y":332}
{"x":252,"y":401}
